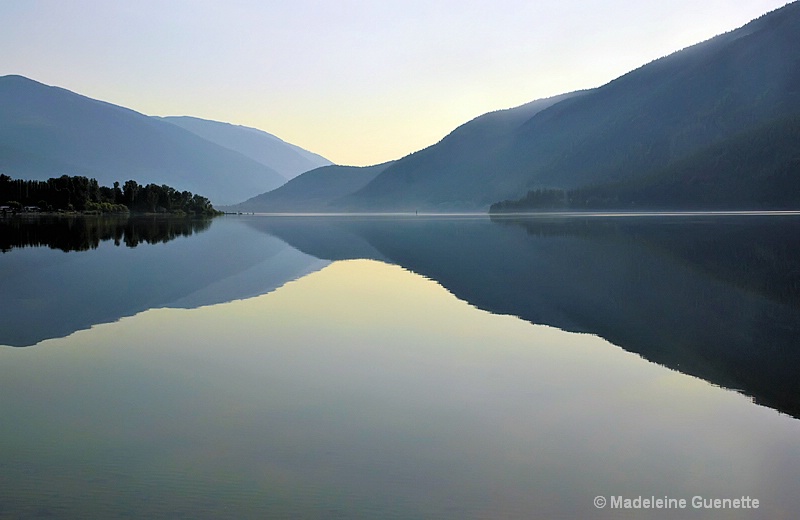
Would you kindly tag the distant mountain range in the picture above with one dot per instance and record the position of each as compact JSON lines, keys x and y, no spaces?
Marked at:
{"x":49,"y":131}
{"x":285,"y":158}
{"x":714,"y":124}
{"x":314,"y":191}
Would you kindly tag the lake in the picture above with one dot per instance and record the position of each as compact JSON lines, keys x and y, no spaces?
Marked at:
{"x":437,"y":367}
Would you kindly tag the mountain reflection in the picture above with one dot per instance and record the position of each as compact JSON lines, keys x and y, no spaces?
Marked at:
{"x":47,"y":294}
{"x":84,"y":233}
{"x":714,"y":297}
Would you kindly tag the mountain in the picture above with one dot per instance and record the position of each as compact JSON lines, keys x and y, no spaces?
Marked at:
{"x":458,"y":172}
{"x":285,"y":158}
{"x":758,"y":169}
{"x":49,"y":131}
{"x":464,"y":150}
{"x":316,"y":191}
{"x":637,"y":125}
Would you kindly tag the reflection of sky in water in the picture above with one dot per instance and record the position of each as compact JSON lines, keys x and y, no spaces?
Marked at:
{"x":364,"y":390}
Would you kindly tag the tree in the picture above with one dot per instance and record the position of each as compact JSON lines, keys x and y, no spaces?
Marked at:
{"x":130,"y":192}
{"x":152,"y":198}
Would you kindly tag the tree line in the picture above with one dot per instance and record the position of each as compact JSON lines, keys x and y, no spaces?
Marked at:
{"x":78,"y":193}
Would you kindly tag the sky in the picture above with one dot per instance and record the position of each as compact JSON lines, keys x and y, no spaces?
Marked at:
{"x":357,"y":81}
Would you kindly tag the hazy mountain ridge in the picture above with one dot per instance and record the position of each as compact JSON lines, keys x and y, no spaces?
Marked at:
{"x":456,"y":171}
{"x":345,"y":188}
{"x":287,"y":159}
{"x":316,"y":191}
{"x":50,"y":131}
{"x":641,"y":123}
{"x":669,"y":108}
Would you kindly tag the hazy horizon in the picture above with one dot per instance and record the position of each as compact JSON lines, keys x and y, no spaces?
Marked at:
{"x":360,"y":82}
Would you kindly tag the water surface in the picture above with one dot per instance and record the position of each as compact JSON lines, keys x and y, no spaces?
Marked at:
{"x":395,"y":381}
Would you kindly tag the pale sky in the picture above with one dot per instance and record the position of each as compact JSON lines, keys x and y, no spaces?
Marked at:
{"x":360,"y":82}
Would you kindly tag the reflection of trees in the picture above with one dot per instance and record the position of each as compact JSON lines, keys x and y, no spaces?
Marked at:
{"x":83,"y":233}
{"x":757,"y":254}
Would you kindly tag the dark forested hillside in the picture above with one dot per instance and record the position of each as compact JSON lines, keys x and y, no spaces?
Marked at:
{"x":758,"y":169}
{"x":644,"y":122}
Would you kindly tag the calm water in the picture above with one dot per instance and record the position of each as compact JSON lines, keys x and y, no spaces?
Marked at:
{"x":276,"y":367}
